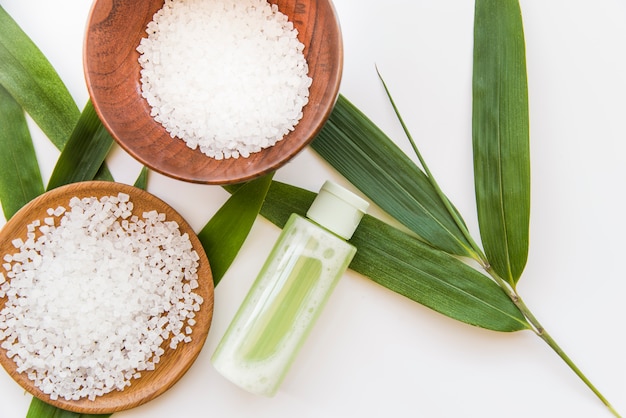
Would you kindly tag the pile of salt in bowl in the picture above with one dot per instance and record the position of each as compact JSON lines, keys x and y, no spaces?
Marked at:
{"x":94,"y":293}
{"x":227,"y":76}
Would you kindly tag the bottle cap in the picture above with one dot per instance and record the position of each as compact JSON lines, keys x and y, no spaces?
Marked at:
{"x":337,"y":209}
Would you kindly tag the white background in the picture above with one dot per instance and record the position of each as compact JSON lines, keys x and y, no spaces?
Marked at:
{"x":374,"y":353}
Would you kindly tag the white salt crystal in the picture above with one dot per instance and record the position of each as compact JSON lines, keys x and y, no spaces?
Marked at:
{"x":228,"y":77}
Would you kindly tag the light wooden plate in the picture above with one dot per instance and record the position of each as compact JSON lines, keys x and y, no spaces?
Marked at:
{"x":174,"y":363}
{"x":112,"y":72}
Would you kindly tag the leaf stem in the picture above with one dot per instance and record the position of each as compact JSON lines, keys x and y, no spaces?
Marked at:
{"x":547,"y":338}
{"x":478,"y":255}
{"x":541,"y":332}
{"x":474,"y":251}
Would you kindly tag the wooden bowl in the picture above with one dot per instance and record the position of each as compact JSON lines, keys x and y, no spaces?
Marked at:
{"x":174,"y":363}
{"x":112,"y":72}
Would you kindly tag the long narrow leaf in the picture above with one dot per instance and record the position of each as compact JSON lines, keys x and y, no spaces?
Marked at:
{"x":84,"y":153}
{"x":444,"y":199}
{"x":30,"y":78}
{"x":363,"y":154}
{"x":501,"y":135}
{"x":40,"y":409}
{"x":20,"y":178}
{"x":225,"y":233}
{"x":411,"y":268}
{"x":432,"y":278}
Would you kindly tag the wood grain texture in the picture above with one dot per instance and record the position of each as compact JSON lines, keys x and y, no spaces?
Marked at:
{"x":174,"y":363}
{"x":112,"y":72}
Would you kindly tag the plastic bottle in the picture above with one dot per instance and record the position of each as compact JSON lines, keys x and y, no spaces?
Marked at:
{"x":307,"y":261}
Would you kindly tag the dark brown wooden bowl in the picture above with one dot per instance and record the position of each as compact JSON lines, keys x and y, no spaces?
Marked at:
{"x":174,"y":363}
{"x":112,"y":72}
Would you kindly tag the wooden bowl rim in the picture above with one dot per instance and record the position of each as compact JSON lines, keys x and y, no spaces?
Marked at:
{"x":152,"y":383}
{"x":228,"y":171}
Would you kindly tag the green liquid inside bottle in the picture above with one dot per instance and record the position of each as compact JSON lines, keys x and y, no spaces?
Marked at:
{"x":284,"y":308}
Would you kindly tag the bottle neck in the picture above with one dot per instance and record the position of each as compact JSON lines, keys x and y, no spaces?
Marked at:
{"x":321,"y":226}
{"x":337,"y":210}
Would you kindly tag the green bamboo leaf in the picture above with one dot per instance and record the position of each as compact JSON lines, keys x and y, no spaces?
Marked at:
{"x":406,"y":265}
{"x":432,"y":278}
{"x":20,"y":178}
{"x":104,"y":173}
{"x":40,"y":409}
{"x":454,"y":213}
{"x":142,"y":179}
{"x":363,"y":154}
{"x":85,"y":152}
{"x":30,"y":78}
{"x":225,"y":233}
{"x":501,"y":135}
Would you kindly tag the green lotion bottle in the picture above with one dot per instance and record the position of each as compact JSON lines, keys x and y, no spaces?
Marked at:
{"x":307,"y":261}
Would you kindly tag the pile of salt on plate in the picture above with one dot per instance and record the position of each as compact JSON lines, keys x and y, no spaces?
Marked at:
{"x":227,"y":76}
{"x":94,"y":294}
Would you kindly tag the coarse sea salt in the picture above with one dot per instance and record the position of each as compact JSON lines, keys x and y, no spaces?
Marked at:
{"x":94,"y":298}
{"x":226,"y":76}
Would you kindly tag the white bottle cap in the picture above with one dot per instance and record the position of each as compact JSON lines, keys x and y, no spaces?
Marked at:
{"x":337,"y":209}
